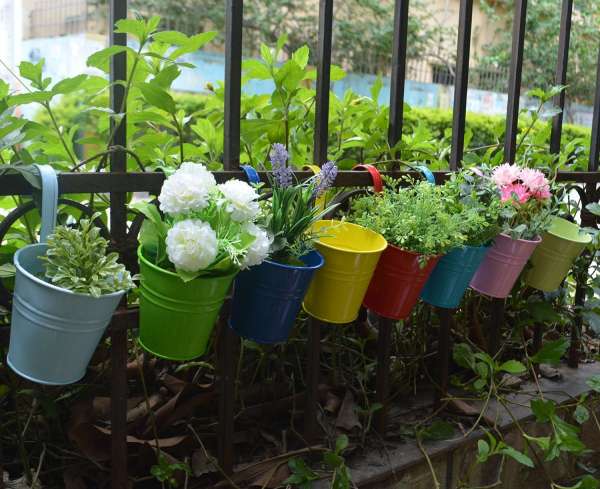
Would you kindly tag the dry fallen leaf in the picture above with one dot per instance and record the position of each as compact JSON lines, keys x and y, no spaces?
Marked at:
{"x":347,"y":418}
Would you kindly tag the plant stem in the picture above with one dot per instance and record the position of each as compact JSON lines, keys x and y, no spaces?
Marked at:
{"x":46,"y":105}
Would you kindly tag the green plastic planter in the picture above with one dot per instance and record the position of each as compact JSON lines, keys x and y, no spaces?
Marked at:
{"x":177,"y":317}
{"x":552,"y":259}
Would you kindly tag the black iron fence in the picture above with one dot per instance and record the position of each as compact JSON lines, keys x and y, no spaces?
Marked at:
{"x":118,"y":182}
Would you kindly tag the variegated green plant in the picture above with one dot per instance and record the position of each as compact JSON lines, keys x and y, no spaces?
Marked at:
{"x":77,"y":260}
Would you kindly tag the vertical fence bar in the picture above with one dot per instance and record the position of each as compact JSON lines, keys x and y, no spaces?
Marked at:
{"x":462,"y":83}
{"x":398,"y":75}
{"x":382,"y":393}
{"x":118,"y":228}
{"x":514,"y":81}
{"x":323,"y":80}
{"x":233,"y":82}
{"x":320,"y":157}
{"x":595,"y":138}
{"x":312,"y":380}
{"x":231,"y":160}
{"x":561,"y":73}
{"x":445,"y":316}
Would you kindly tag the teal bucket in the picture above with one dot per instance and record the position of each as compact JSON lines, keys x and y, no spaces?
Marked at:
{"x":449,"y":280}
{"x":54,"y":332}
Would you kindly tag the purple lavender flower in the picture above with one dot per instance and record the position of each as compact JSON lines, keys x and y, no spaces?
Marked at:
{"x":325,"y":178}
{"x":283,"y":174}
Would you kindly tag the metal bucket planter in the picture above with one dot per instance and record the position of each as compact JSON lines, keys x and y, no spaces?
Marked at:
{"x":267,"y":298}
{"x":54,"y":331}
{"x":552,"y":259}
{"x":502,"y":266}
{"x":177,"y":317}
{"x":450,"y":278}
{"x":397,"y":283}
{"x":351,"y":254}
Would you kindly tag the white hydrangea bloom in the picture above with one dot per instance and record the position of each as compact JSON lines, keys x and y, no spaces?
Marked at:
{"x":259,"y":249}
{"x":187,"y":189}
{"x":240,"y":200}
{"x":191,"y":245}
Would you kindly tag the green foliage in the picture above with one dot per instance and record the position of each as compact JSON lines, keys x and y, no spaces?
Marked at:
{"x":165,"y":471}
{"x":541,"y":43}
{"x":77,"y":260}
{"x":415,"y":218}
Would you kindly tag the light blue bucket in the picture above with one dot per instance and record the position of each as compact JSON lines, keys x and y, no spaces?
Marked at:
{"x":54,"y":332}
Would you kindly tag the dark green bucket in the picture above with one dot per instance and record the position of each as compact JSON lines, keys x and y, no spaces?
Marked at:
{"x":177,"y":317}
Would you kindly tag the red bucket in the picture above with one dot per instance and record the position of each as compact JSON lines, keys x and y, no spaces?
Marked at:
{"x":397,"y":283}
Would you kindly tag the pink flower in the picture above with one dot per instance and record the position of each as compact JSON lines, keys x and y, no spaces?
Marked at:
{"x":516,"y":191}
{"x":542,"y":193}
{"x":505,"y":174}
{"x":534,"y":180}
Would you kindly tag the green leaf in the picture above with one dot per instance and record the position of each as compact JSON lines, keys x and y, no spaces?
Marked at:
{"x":193,"y":44}
{"x":551,"y":351}
{"x":266,"y":54}
{"x":32,"y":72}
{"x":513,"y":367}
{"x":100,"y":59}
{"x":68,"y":85}
{"x":171,"y":37}
{"x":594,"y":383}
{"x":438,"y":430}
{"x":483,"y":451}
{"x":28,"y":98}
{"x":256,"y":69}
{"x":4,"y":88}
{"x":463,"y":355}
{"x":157,"y":97}
{"x":542,"y":441}
{"x":341,"y":443}
{"x":7,"y":270}
{"x":337,"y":73}
{"x":137,"y":28}
{"x":543,"y":312}
{"x":581,"y":414}
{"x":518,"y":456}
{"x":594,"y":208}
{"x":300,"y":56}
{"x":543,"y":410}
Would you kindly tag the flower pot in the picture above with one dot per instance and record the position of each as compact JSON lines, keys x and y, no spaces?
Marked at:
{"x":351,"y":254}
{"x":552,"y":259}
{"x":177,"y":317}
{"x":54,"y":331}
{"x":397,"y":283}
{"x":502,"y":266}
{"x":268,"y":297}
{"x":450,"y":278}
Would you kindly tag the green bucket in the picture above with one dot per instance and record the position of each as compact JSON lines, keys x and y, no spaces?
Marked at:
{"x":552,"y":259}
{"x":177,"y":317}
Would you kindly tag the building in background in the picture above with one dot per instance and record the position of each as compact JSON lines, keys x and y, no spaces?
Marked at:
{"x":11,"y":28}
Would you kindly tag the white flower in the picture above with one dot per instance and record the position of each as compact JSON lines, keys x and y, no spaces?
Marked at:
{"x":191,"y":245}
{"x":240,"y":200}
{"x":187,"y":189}
{"x":259,"y":249}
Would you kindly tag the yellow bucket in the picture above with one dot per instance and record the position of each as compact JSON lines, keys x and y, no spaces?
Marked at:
{"x":351,"y":254}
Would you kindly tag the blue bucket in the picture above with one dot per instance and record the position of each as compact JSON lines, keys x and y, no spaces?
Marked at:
{"x":450,"y":278}
{"x":54,"y":331}
{"x":268,"y":297}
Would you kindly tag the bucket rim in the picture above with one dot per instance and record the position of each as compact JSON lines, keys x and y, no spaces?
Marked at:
{"x":537,"y":240}
{"x":298,"y":267}
{"x":358,"y":227}
{"x":582,"y":237}
{"x":49,"y":285}
{"x":141,"y":256}
{"x":414,"y":253}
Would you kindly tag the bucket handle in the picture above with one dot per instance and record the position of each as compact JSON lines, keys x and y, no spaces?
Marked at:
{"x":427,"y":173}
{"x":251,"y":174}
{"x":49,"y":202}
{"x":316,"y":169}
{"x":375,"y":175}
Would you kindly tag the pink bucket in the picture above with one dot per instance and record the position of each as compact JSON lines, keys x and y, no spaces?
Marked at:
{"x":502,"y":266}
